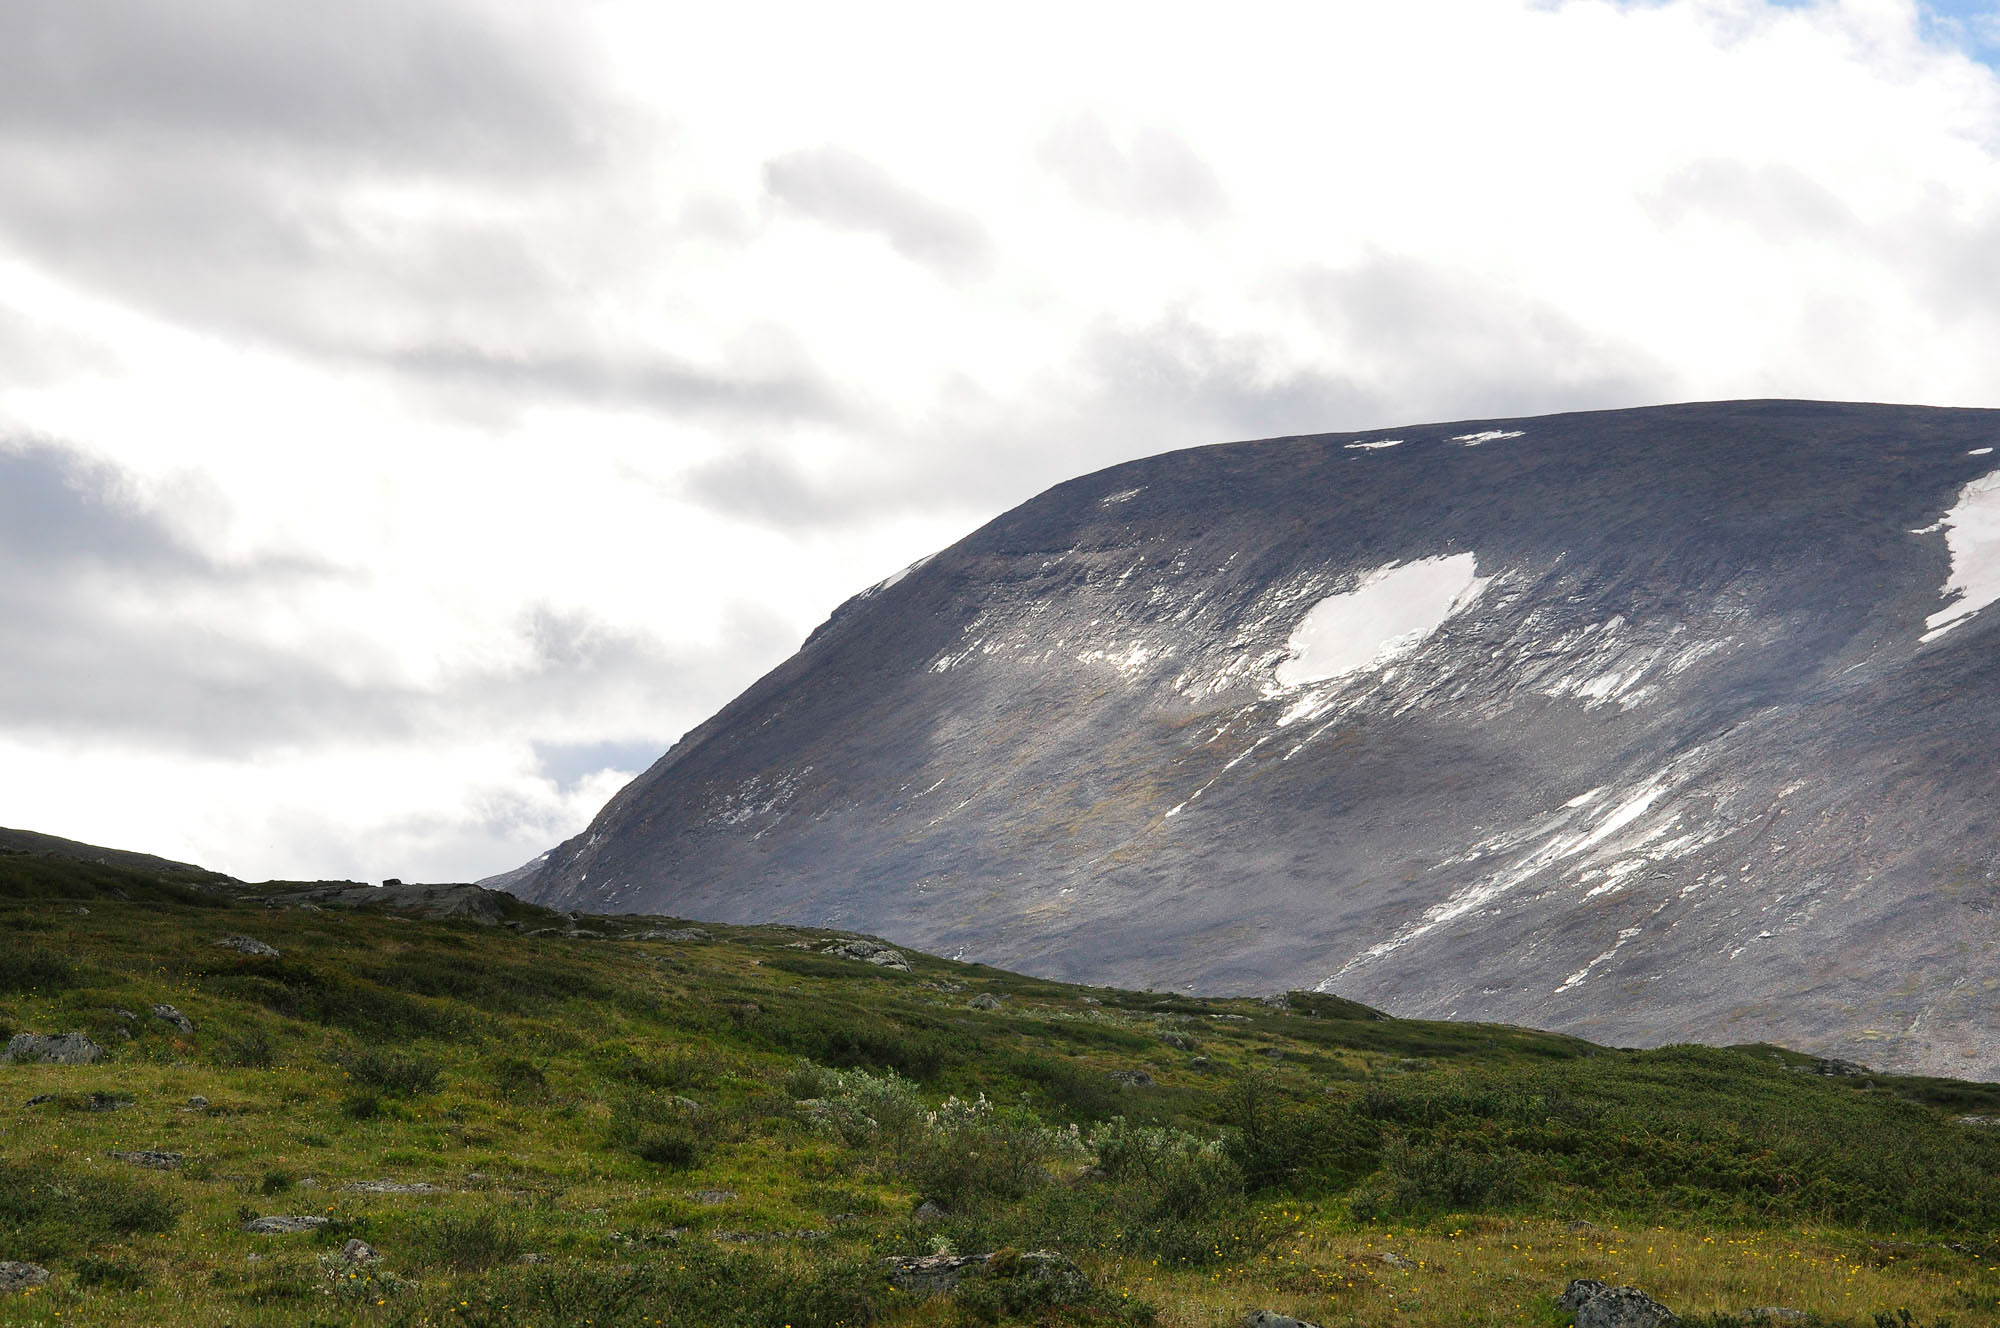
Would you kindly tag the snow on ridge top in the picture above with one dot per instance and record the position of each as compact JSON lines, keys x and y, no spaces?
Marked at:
{"x":1972,"y":534}
{"x":1488,"y":436}
{"x":1373,"y":445}
{"x":1385,"y":617}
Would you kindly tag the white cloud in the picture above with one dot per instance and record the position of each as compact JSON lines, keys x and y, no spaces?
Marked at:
{"x":673,"y":327}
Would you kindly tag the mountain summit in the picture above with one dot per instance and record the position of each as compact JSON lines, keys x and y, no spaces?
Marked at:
{"x":1652,"y":725}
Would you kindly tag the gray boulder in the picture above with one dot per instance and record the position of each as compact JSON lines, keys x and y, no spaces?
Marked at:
{"x":394,"y":1187}
{"x":1273,"y":1319}
{"x":148,"y":1157}
{"x":1599,"y":1306}
{"x":669,"y":934}
{"x":1131,"y":1078}
{"x":930,"y":1274}
{"x":358,"y":1251}
{"x":168,"y":1014}
{"x":58,"y":1049}
{"x":870,"y":952}
{"x":21,"y":1276}
{"x":985,"y":1000}
{"x":283,"y":1225}
{"x":248,"y":945}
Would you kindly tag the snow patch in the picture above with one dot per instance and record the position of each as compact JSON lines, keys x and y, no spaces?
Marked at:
{"x":1980,"y":451}
{"x":1972,"y":533}
{"x":1375,"y":445}
{"x":1122,"y":496}
{"x":1488,"y":436}
{"x":1384,"y":618}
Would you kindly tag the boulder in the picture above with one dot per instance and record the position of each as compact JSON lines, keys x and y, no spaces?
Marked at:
{"x":393,"y":1187}
{"x":20,"y":1276}
{"x":358,"y":1251}
{"x":283,"y":1225}
{"x":168,"y":1014}
{"x":1131,"y":1078}
{"x":869,"y":952}
{"x":148,"y":1157}
{"x":1599,"y":1306}
{"x":930,"y":1274}
{"x":985,"y":1000}
{"x":248,"y":945}
{"x":197,"y":1103}
{"x":669,"y":934}
{"x":1272,"y":1319}
{"x":714,"y":1196}
{"x":57,"y":1049}
{"x":106,"y":1102}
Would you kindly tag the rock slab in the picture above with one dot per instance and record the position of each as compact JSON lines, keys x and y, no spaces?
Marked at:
{"x":1599,"y":1306}
{"x":56,"y":1049}
{"x":20,"y":1276}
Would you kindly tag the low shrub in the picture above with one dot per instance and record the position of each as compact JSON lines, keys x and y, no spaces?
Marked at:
{"x":400,"y":1076}
{"x":26,"y":967}
{"x":49,"y":1210}
{"x":465,"y":1242}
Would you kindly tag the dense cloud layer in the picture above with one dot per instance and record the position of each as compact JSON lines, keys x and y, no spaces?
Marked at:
{"x":409,"y":404}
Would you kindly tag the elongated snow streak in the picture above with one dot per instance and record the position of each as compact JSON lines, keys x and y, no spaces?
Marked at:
{"x":1487,"y":436}
{"x":1384,"y":618}
{"x":1374,"y":446}
{"x":1972,"y":533}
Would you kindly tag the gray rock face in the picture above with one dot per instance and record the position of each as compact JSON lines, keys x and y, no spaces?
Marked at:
{"x":1599,"y":1306}
{"x":57,"y":1049}
{"x":1647,"y":725}
{"x":149,"y":1157}
{"x":985,"y":1000}
{"x":870,"y":952}
{"x":248,"y":945}
{"x":168,"y":1014}
{"x":20,"y":1276}
{"x":283,"y":1225}
{"x":930,"y":1274}
{"x":1273,"y":1319}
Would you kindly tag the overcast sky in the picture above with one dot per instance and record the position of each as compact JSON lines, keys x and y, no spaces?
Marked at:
{"x":415,"y":414}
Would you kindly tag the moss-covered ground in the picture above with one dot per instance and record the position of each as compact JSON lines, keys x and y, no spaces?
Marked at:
{"x":739,"y":1129}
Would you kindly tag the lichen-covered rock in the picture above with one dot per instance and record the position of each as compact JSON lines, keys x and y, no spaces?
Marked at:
{"x":1273,"y":1319}
{"x":870,"y":952}
{"x":985,"y":1000}
{"x":283,"y":1225}
{"x":1131,"y":1078}
{"x":930,"y":1274}
{"x":672,"y":934}
{"x":358,"y":1251}
{"x":148,"y":1157}
{"x":20,"y":1276}
{"x":1599,"y":1306}
{"x":56,"y":1049}
{"x":248,"y":945}
{"x":168,"y":1014}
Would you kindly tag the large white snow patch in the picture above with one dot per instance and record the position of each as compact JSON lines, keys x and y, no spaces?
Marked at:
{"x":1385,"y":617}
{"x":1972,"y":533}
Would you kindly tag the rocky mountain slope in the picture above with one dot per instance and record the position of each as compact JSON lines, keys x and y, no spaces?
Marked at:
{"x":1647,"y":725}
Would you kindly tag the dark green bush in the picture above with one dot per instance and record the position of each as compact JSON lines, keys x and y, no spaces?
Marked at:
{"x":25,"y":967}
{"x":93,"y":1271}
{"x":48,"y":1210}
{"x":465,"y":1242}
{"x":400,"y":1076}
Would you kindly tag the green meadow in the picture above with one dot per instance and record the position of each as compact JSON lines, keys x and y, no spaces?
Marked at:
{"x":525,"y":1126}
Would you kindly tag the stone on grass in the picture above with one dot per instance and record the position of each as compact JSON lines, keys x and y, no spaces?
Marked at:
{"x":1599,"y":1306}
{"x":358,"y":1251}
{"x":930,"y":1274}
{"x":869,"y":952}
{"x":106,"y":1102}
{"x":284,"y":1225}
{"x":1273,"y":1319}
{"x":714,"y":1196}
{"x":1131,"y":1078}
{"x":985,"y":1000}
{"x":56,"y":1049}
{"x":393,"y":1187}
{"x":21,"y":1276}
{"x":169,"y":1014}
{"x":197,"y":1103}
{"x":249,"y":945}
{"x":930,"y":1210}
{"x":669,"y":934}
{"x":148,"y":1157}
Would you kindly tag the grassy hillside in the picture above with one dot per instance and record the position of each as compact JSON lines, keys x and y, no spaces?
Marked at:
{"x":538,"y":1127}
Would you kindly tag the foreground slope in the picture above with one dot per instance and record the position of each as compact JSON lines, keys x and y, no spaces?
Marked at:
{"x":629,"y":1121}
{"x":1647,"y":725}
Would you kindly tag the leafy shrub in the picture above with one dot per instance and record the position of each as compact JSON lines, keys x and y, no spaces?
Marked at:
{"x":659,"y":1129}
{"x":1280,"y":1142}
{"x":967,"y":1152}
{"x":251,"y":1050}
{"x":25,"y":968}
{"x":1015,"y":1287}
{"x":465,"y":1242}
{"x":1177,"y":1176}
{"x":93,"y":1271}
{"x":648,"y":1064}
{"x":516,"y":1076}
{"x":48,"y":1210}
{"x":846,"y":1035}
{"x":1072,"y":1091}
{"x":276,"y":1181}
{"x":1425,"y":1179}
{"x":701,"y":1287}
{"x":400,"y":1076}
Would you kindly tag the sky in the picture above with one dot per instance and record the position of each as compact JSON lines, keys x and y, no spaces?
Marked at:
{"x":416,"y":414}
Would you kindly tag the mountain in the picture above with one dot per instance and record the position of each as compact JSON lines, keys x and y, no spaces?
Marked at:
{"x":1650,"y":725}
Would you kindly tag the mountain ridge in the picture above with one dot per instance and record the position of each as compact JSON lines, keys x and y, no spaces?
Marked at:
{"x":1681,"y":708}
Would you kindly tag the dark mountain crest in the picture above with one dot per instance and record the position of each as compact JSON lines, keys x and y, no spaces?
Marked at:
{"x":1647,"y":724}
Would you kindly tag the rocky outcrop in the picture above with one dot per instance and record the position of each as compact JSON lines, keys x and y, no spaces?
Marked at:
{"x":148,"y":1157}
{"x":248,"y":945}
{"x":1599,"y":1306}
{"x":1676,"y":701}
{"x":168,"y":1014}
{"x":57,"y":1049}
{"x":20,"y":1276}
{"x":284,"y":1225}
{"x":870,"y":952}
